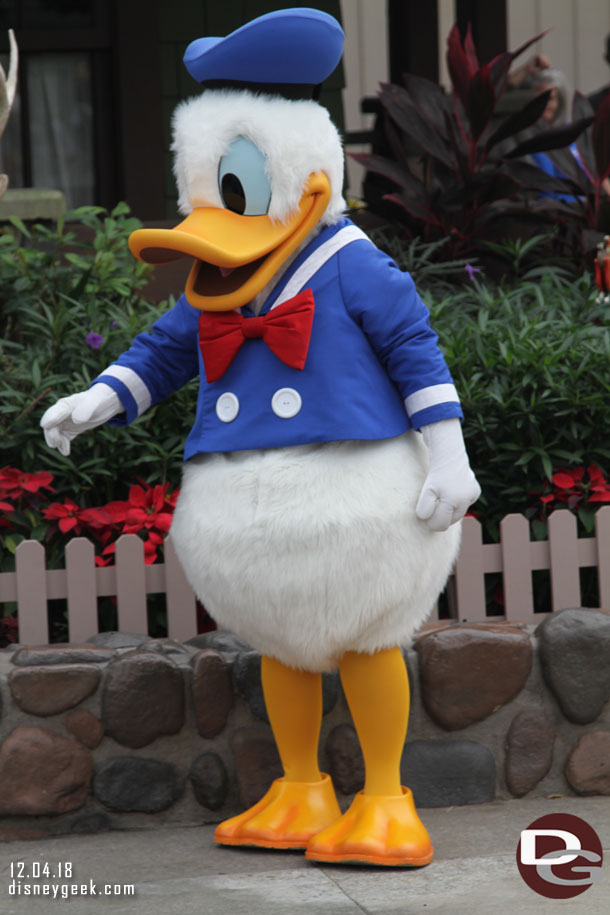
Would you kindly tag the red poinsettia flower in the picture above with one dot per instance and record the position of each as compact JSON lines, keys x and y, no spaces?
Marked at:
{"x":71,"y":517}
{"x":151,"y":548}
{"x":66,"y":514}
{"x":148,"y":509}
{"x":14,"y":482}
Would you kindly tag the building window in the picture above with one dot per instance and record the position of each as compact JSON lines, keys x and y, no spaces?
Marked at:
{"x":57,"y":134}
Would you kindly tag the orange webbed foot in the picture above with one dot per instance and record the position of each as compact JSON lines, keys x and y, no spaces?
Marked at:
{"x":287,"y":816}
{"x":375,"y":830}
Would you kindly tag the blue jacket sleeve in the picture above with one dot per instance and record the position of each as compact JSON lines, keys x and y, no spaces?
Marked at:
{"x":157,"y":363}
{"x":384,"y":302}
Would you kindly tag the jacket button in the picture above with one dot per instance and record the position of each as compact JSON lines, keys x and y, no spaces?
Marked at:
{"x":227,"y":407}
{"x":286,"y":403}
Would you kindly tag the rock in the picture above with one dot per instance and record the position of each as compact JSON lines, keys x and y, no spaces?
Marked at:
{"x":47,"y":691}
{"x":85,"y":727}
{"x":164,"y":646}
{"x":209,"y":780}
{"x":575,"y":656}
{"x":90,"y":823}
{"x":134,"y":784}
{"x":142,"y":698}
{"x":36,"y":655}
{"x":247,"y":673}
{"x":257,"y":762}
{"x":212,"y":689}
{"x":345,"y":761}
{"x":588,"y":766}
{"x":467,"y":673}
{"x":42,"y":773}
{"x":529,"y":751}
{"x":444,"y":773}
{"x":112,"y":640}
{"x":220,"y":640}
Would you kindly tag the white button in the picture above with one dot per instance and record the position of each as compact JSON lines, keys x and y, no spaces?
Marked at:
{"x":227,"y":407}
{"x":286,"y":403}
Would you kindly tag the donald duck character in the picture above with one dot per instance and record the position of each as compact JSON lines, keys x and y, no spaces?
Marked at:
{"x":325,"y":473}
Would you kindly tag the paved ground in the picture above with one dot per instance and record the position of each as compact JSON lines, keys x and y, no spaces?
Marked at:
{"x":181,"y":871}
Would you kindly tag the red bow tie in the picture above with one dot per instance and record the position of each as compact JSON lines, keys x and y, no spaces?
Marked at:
{"x":286,"y":331}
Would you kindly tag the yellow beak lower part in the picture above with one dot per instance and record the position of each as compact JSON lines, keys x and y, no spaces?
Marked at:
{"x":235,"y":256}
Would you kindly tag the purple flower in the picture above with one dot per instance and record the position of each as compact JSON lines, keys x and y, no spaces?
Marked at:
{"x":470,"y":270}
{"x":94,"y":340}
{"x":114,"y":323}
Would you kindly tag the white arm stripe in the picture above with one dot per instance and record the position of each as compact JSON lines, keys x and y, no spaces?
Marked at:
{"x":431,"y":397}
{"x":133,"y":383}
{"x":316,"y":260}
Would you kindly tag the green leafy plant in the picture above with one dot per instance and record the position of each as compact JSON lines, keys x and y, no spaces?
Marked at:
{"x":531,"y":365}
{"x":69,"y":305}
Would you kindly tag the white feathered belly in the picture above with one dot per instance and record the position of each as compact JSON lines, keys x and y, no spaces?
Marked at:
{"x":311,"y":551}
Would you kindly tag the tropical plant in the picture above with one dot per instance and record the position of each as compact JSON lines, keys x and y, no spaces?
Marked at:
{"x":463,"y":187}
{"x":580,"y":194}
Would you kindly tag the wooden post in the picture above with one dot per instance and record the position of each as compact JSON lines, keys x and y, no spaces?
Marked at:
{"x":563,"y":550}
{"x":469,"y":578}
{"x":131,"y":584}
{"x":517,"y":569}
{"x":181,"y":603}
{"x":32,"y":593}
{"x":81,"y":589}
{"x":602,"y":533}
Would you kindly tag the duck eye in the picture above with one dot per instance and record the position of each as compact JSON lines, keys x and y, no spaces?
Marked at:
{"x":243,"y":184}
{"x":233,"y":194}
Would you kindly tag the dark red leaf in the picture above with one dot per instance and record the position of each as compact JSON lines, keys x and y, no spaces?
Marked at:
{"x":408,"y":118}
{"x":554,"y":138}
{"x":430,"y":99}
{"x":533,"y":178}
{"x":480,"y":101}
{"x":520,"y":120}
{"x":415,"y":207}
{"x":600,"y":138}
{"x":471,"y":51}
{"x":390,"y":170}
{"x":458,"y":64}
{"x":500,"y":65}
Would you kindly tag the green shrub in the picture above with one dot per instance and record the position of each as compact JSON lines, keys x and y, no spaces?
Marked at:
{"x":531,"y":366}
{"x":55,"y":291}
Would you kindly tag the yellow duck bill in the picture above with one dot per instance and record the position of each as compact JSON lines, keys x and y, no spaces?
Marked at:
{"x":235,"y":256}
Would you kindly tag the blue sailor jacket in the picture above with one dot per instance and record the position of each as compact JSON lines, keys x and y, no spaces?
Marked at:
{"x":373,"y":370}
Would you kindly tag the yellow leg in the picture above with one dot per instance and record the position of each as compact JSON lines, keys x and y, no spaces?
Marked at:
{"x":294,"y":705}
{"x":303,"y":802}
{"x":377,"y":690}
{"x":382,"y":825}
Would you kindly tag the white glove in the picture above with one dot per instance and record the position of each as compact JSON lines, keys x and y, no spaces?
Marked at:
{"x":450,"y":486}
{"x":78,"y":413}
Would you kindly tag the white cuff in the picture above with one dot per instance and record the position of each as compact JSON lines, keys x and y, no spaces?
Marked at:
{"x":133,"y":383}
{"x":431,"y":397}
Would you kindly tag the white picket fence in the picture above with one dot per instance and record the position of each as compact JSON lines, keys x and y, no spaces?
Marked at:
{"x":31,"y":585}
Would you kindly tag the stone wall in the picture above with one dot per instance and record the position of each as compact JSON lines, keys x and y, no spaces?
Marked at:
{"x":129,"y":732}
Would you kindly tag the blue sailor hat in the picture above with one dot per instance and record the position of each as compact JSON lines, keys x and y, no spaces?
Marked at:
{"x":290,"y":47}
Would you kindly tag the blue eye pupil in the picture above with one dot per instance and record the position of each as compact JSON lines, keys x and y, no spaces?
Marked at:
{"x":233,"y":193}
